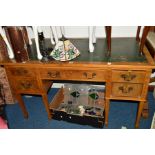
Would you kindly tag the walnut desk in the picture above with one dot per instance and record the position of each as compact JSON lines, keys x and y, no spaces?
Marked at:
{"x":126,"y":74}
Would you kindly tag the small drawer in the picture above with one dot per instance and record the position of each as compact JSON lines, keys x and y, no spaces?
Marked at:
{"x":128,"y":76}
{"x":126,"y":90}
{"x":21,"y":71}
{"x":51,"y":74}
{"x":26,"y":85}
{"x":85,"y":75}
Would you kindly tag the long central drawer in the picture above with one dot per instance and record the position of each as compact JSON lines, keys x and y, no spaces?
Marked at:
{"x":80,"y":75}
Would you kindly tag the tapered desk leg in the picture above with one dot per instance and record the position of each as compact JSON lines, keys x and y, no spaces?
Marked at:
{"x":22,"y":105}
{"x":139,"y":113}
{"x":107,"y":102}
{"x":45,"y":101}
{"x":145,"y":111}
{"x":138,"y":32}
{"x":108,"y":37}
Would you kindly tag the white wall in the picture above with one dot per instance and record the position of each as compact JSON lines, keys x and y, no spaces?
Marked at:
{"x":82,"y":31}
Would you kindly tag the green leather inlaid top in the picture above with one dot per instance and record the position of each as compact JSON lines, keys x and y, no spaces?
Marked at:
{"x":123,"y":50}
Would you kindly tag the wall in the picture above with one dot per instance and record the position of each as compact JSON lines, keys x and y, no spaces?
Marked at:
{"x":82,"y":31}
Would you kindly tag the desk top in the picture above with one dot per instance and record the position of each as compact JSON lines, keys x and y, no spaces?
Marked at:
{"x":125,"y":51}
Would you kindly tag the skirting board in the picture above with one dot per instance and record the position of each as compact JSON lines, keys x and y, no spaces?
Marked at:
{"x":154,"y":93}
{"x":153,"y":122}
{"x":59,"y":85}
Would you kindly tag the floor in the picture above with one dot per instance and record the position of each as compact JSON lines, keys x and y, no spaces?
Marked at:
{"x":122,"y":114}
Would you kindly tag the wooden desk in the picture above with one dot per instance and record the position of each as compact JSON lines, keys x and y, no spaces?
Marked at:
{"x":126,"y":74}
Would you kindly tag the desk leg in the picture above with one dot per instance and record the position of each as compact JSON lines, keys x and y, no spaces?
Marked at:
{"x":139,"y":113}
{"x":45,"y":101}
{"x":108,"y":37}
{"x":138,"y":33}
{"x":107,"y":102}
{"x":145,"y":112}
{"x":22,"y":105}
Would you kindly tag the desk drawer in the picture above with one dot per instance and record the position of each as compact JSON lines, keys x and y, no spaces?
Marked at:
{"x":128,"y":76}
{"x":88,"y":75}
{"x":80,"y":75}
{"x":21,"y":72}
{"x":46,"y":73}
{"x":126,"y":90}
{"x":26,"y":85}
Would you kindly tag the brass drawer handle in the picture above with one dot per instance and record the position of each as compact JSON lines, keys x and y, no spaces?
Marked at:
{"x":89,"y":76}
{"x":25,"y":71}
{"x":19,"y":72}
{"x":53,"y":74}
{"x":128,"y":77}
{"x":26,"y":85}
{"x":125,"y":89}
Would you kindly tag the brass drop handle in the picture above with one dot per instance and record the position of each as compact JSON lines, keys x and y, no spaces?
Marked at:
{"x":53,"y":74}
{"x":20,"y":72}
{"x":125,"y":89}
{"x":89,"y":75}
{"x":128,"y":77}
{"x":26,"y":85}
{"x":25,"y":71}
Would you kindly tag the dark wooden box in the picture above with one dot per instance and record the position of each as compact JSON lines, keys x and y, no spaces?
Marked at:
{"x":94,"y":121}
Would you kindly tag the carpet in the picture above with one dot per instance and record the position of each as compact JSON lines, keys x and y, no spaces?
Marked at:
{"x":122,"y":113}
